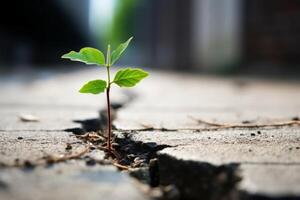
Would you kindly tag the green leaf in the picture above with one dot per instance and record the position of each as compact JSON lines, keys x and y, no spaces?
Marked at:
{"x":129,"y":77}
{"x":87,"y":55}
{"x":93,"y":87}
{"x":119,"y":51}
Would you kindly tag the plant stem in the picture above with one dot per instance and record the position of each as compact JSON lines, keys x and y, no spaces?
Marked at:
{"x":108,"y":120}
{"x":108,"y":100}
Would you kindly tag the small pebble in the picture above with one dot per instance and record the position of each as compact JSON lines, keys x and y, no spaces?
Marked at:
{"x":90,"y":162}
{"x":209,"y":138}
{"x":92,"y":148}
{"x":69,"y":146}
{"x":290,"y":148}
{"x":28,"y":164}
{"x":258,"y":132}
{"x":138,"y":161}
{"x":151,"y":145}
{"x":131,"y":156}
{"x":295,"y":118}
{"x":20,"y":138}
{"x":28,"y":118}
{"x":246,"y":122}
{"x":252,"y":134}
{"x":297,"y":147}
{"x":115,"y":145}
{"x":250,"y":150}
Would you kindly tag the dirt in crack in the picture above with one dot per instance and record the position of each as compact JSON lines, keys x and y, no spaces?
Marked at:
{"x":127,"y":154}
{"x":168,"y":177}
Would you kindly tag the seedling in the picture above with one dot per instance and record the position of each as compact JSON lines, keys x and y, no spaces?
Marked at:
{"x":127,"y":77}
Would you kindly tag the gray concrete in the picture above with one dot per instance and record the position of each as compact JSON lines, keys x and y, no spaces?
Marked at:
{"x":50,"y":118}
{"x":230,"y":146}
{"x":170,"y":100}
{"x":54,"y":100}
{"x":268,"y":162}
{"x":272,"y":180}
{"x":33,"y":145}
{"x":72,"y":180}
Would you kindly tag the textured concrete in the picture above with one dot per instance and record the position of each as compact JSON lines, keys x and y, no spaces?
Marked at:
{"x":268,"y":157}
{"x":33,"y":145}
{"x":199,"y":162}
{"x":269,"y":160}
{"x":230,"y":146}
{"x":52,"y":88}
{"x":169,"y":100}
{"x":72,"y":180}
{"x":272,"y":180}
{"x":50,"y":118}
{"x":54,"y":100}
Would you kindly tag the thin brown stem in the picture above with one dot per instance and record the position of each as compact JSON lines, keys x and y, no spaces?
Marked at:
{"x":64,"y":157}
{"x":122,"y":167}
{"x":108,"y":64}
{"x":108,"y":120}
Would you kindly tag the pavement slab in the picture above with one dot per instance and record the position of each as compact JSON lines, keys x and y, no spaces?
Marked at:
{"x":50,"y":118}
{"x":268,"y":159}
{"x":229,"y":146}
{"x":71,"y":181}
{"x":34,"y":145}
{"x":273,"y":180}
{"x":198,"y":159}
{"x":52,"y":98}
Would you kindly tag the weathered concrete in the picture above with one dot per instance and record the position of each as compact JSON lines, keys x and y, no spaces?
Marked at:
{"x":200,"y":163}
{"x":53,"y":88}
{"x":229,"y":146}
{"x":53,"y":99}
{"x":268,"y":159}
{"x":33,"y":145}
{"x":273,"y":180}
{"x":71,"y":180}
{"x":50,"y":118}
{"x":171,"y":100}
{"x":261,"y":154}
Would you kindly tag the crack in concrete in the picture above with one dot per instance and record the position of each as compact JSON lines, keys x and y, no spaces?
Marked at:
{"x":198,"y":129}
{"x":175,"y":178}
{"x":34,"y":130}
{"x":270,"y":163}
{"x":199,"y":180}
{"x":161,"y":171}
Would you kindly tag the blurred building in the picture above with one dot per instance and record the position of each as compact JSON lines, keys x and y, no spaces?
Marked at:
{"x":253,"y":36}
{"x":36,"y":32}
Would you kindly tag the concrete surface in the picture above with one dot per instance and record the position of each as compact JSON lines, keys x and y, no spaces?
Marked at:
{"x":72,"y":180}
{"x":164,"y":110}
{"x":268,"y":157}
{"x":53,"y":98}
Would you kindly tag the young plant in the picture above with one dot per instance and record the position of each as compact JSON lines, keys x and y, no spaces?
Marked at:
{"x":127,"y":77}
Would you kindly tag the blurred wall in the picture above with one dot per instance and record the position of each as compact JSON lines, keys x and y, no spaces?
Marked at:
{"x":216,"y":34}
{"x":271,"y":36}
{"x":37,"y":32}
{"x":245,"y":36}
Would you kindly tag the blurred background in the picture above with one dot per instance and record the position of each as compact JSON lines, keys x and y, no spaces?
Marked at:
{"x":257,"y":37}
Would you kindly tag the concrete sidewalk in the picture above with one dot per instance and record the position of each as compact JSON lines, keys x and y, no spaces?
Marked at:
{"x":194,"y":115}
